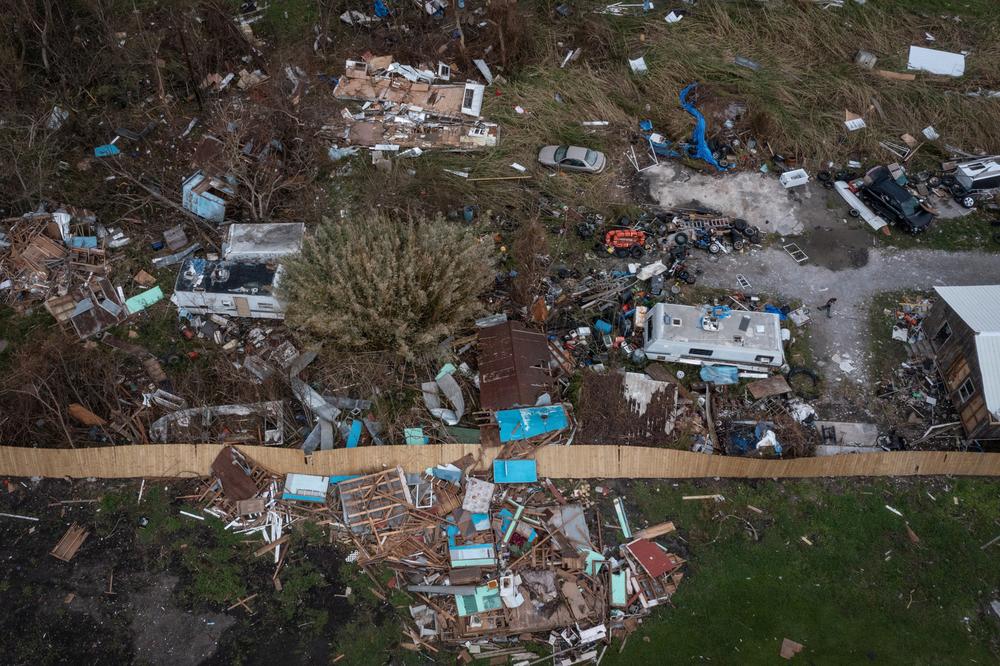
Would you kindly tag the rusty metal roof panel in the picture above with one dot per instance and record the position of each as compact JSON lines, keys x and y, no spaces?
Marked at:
{"x":513,"y":366}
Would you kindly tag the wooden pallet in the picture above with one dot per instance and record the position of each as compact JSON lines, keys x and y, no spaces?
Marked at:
{"x":70,"y":543}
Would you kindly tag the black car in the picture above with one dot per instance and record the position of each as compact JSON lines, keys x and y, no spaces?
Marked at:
{"x":883,"y":192}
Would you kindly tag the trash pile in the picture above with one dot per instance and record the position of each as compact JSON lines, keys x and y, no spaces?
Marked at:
{"x":495,"y":563}
{"x":61,"y":257}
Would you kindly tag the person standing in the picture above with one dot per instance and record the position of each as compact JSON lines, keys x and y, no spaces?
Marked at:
{"x":828,"y":307}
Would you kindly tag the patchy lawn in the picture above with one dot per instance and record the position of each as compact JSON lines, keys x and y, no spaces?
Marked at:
{"x":863,"y":592}
{"x":886,"y":353}
{"x":972,"y":232}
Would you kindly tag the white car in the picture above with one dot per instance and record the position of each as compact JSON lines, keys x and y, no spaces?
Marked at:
{"x":573,"y":158}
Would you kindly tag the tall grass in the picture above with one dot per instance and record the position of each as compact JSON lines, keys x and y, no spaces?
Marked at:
{"x":795,"y":103}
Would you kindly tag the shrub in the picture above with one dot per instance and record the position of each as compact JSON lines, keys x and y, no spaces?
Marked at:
{"x":380,"y":284}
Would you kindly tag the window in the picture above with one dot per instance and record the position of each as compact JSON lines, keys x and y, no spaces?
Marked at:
{"x":573,"y":163}
{"x":700,"y":352}
{"x":764,"y":359}
{"x":675,"y":321}
{"x":591,"y":157}
{"x":470,"y":96}
{"x":966,"y":390}
{"x":478,"y":131}
{"x":560,"y":153}
{"x":263,"y":305}
{"x":942,"y":335}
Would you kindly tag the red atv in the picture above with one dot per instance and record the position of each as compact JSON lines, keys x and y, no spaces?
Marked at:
{"x":625,"y":243}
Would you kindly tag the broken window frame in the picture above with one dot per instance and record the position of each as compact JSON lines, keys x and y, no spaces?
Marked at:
{"x":966,"y":391}
{"x":945,"y":329}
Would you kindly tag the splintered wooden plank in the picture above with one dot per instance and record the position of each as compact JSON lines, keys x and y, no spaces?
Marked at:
{"x":70,"y":543}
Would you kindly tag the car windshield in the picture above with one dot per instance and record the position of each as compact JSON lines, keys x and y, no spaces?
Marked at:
{"x":591,"y":157}
{"x":560,"y":153}
{"x":910,"y":206}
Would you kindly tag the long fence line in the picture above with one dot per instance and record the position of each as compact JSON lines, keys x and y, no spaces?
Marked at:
{"x":561,"y":462}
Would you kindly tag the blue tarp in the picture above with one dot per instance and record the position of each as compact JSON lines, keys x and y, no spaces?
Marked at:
{"x":515,"y":471}
{"x":699,"y":147}
{"x":661,"y":148}
{"x":381,"y":10}
{"x":720,"y":374}
{"x":516,"y":424}
{"x":776,"y":310}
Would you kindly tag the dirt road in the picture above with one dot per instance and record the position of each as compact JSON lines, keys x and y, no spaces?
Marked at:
{"x":840,"y":343}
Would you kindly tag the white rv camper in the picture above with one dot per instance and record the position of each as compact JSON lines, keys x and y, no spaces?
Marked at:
{"x":713,"y":335}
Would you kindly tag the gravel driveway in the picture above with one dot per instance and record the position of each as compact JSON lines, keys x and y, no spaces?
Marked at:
{"x":841,"y":343}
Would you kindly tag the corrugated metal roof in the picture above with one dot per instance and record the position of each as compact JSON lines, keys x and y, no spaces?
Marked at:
{"x":978,"y":306}
{"x":988,"y":351}
{"x":513,"y":363}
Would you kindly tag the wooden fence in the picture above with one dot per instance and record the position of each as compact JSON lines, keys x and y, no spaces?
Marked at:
{"x":566,"y":462}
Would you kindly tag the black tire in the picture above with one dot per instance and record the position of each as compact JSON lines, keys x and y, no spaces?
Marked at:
{"x":621,"y":252}
{"x":739,"y":244}
{"x":755,"y":238}
{"x":636,"y":251}
{"x":803,"y":381}
{"x":740,"y":224}
{"x":828,"y":185}
{"x":824,"y":176}
{"x":689,"y":278}
{"x":968,"y":201}
{"x":681,"y":238}
{"x":714,"y":248}
{"x":855,"y":213}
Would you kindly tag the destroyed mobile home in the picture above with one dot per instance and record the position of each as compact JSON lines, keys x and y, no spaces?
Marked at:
{"x":494,"y":562}
{"x":405,"y":107}
{"x":61,"y":258}
{"x":243,"y":281}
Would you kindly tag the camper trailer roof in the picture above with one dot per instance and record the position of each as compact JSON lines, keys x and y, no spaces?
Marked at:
{"x":736,"y":329}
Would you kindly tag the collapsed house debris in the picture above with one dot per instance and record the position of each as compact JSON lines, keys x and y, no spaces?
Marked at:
{"x":404,"y":108}
{"x":490,"y":562}
{"x":62,"y":258}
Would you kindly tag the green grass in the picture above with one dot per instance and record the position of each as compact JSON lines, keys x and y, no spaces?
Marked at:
{"x":20,"y":331}
{"x":972,"y":232}
{"x":845,"y":598}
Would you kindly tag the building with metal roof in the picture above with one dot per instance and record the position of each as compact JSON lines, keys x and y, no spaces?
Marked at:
{"x":963,"y":328}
